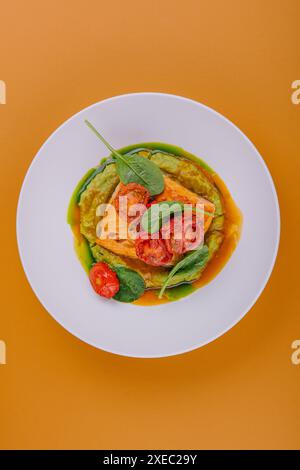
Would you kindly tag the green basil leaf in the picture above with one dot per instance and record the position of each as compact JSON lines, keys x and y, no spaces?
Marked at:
{"x":194,"y":259}
{"x":154,"y":217}
{"x":132,"y":285}
{"x":135,"y":169}
{"x":157,"y":214}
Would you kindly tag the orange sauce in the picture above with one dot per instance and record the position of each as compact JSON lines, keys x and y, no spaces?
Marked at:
{"x":232,"y":232}
{"x":75,"y":225}
{"x":150,"y":297}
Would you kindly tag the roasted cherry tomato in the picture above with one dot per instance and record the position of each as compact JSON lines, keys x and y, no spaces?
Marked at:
{"x":174,"y":237}
{"x":153,"y":252}
{"x":193,"y":233}
{"x":182,"y":235}
{"x":134,"y":193}
{"x":104,"y":280}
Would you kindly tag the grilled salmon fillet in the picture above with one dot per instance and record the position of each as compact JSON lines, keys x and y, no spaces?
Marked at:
{"x":121,"y":244}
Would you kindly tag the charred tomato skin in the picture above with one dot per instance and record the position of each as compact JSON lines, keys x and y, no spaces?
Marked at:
{"x":182,"y":238}
{"x":153,"y":251}
{"x":174,"y":245}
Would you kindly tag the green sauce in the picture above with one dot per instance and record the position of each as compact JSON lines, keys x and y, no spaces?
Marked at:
{"x":84,"y":254}
{"x":73,"y":204}
{"x":81,"y":245}
{"x":179,"y":292}
{"x":166,"y":148}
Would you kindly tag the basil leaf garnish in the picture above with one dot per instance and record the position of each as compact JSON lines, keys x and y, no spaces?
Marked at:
{"x":194,"y":259}
{"x":135,"y":169}
{"x":157,"y":214}
{"x":132,"y":285}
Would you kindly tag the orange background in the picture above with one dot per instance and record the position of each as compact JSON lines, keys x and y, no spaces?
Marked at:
{"x":239,"y":57}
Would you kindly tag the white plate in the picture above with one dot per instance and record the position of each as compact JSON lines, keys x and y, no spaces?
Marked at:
{"x":45,"y":240}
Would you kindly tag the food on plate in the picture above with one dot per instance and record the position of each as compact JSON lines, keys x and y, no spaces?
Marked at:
{"x":150,"y":219}
{"x":153,"y":252}
{"x":104,"y":280}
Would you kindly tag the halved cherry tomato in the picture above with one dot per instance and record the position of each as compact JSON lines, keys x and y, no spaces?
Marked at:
{"x":173,"y":236}
{"x":153,"y":251}
{"x":104,"y":280}
{"x":182,"y":235}
{"x":135,"y":194}
{"x":193,"y":232}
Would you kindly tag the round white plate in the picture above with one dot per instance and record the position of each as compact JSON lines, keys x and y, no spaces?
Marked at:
{"x":46,"y":244}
